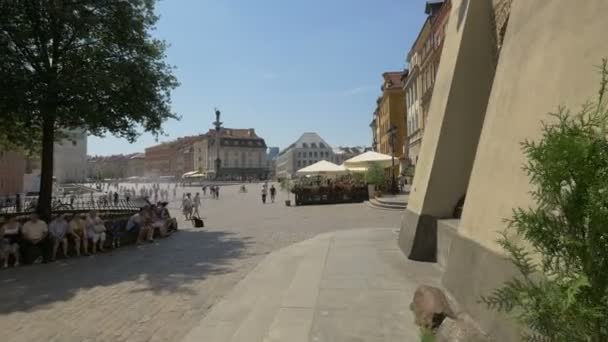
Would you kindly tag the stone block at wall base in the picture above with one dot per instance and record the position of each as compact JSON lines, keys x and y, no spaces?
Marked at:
{"x":418,"y":236}
{"x":472,"y":271}
{"x":446,"y":230}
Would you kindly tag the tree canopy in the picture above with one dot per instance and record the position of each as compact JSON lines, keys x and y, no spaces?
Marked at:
{"x":87,"y":64}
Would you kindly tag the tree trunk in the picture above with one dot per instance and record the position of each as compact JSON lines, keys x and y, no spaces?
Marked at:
{"x":46,"y":172}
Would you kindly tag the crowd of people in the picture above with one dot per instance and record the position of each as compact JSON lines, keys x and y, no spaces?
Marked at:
{"x":87,"y":232}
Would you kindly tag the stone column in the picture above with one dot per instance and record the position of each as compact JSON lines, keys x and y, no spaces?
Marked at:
{"x":456,"y":115}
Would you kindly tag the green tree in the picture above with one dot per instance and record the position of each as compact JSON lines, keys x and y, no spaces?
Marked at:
{"x":376,"y":176}
{"x":86,"y":64}
{"x":562,"y":293}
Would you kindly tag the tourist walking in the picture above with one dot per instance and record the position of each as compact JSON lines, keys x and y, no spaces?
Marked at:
{"x":273,"y":193}
{"x":264,"y":193}
{"x":187,"y":206}
{"x":217,"y":192}
{"x":196,"y":204}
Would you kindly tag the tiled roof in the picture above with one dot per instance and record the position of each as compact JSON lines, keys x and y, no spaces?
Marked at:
{"x":240,"y":133}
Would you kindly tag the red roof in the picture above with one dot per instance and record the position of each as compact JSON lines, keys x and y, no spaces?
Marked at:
{"x":240,"y":133}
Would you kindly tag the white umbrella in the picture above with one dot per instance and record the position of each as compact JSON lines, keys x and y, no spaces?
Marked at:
{"x":322,"y":167}
{"x":188,"y":174}
{"x":368,"y":158}
{"x":195,"y":175}
{"x":360,"y":169}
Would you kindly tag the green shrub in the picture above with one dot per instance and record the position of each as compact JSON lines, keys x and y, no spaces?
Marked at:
{"x":375,"y":175}
{"x":562,"y":293}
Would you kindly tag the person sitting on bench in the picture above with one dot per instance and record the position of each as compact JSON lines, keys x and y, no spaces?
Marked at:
{"x":35,"y":232}
{"x":9,"y":240}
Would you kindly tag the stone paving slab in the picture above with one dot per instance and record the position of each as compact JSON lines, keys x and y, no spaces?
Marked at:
{"x":159,"y":292}
{"x":337,"y":287}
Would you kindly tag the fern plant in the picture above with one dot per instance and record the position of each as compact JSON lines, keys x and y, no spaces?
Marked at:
{"x":561,"y":294}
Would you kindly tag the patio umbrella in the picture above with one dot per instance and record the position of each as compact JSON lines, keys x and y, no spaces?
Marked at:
{"x":189,"y":174}
{"x":322,"y":167}
{"x":364,"y":160}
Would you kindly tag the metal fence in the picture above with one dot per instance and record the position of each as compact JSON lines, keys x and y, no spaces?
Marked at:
{"x":71,"y":203}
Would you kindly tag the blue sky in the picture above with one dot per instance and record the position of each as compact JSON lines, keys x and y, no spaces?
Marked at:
{"x":283,"y":67}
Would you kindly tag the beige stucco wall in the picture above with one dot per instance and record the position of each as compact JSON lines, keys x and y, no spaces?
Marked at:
{"x":547,"y":59}
{"x":456,"y":111}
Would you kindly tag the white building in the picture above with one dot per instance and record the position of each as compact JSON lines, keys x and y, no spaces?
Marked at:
{"x":307,"y":150}
{"x":242,"y":153}
{"x":70,"y":157}
{"x":343,"y":153}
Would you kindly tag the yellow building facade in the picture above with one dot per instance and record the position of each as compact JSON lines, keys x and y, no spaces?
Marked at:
{"x":390,"y":118}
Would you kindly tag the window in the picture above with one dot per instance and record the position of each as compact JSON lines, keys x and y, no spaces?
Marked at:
{"x":313,"y":145}
{"x":310,"y":154}
{"x":304,"y":145}
{"x":299,"y":163}
{"x":321,"y":145}
{"x":315,"y":154}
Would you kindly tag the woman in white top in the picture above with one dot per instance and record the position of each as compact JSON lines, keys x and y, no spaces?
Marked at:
{"x":96,"y":231}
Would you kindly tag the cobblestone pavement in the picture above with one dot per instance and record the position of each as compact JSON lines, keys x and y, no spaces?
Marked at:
{"x":158,"y":292}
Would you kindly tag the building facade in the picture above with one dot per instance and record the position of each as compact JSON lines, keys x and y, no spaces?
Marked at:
{"x":241,"y":151}
{"x":112,"y":167}
{"x":135,"y":165}
{"x":158,"y":160}
{"x":12,"y":169}
{"x":115,"y":166}
{"x":70,"y":157}
{"x":391,"y":118}
{"x":374,"y":127}
{"x":307,"y":150}
{"x":483,"y":124}
{"x":344,"y":153}
{"x":423,"y":60}
{"x":171,"y":159}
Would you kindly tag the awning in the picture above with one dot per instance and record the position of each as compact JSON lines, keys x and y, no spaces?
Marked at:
{"x":322,"y":167}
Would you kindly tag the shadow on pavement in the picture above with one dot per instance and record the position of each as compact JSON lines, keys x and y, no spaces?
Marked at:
{"x":167,"y":266}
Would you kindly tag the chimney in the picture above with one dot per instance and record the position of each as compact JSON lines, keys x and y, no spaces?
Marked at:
{"x":251,"y":132}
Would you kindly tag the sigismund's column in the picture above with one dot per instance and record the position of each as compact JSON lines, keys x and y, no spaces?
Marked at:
{"x":460,"y":97}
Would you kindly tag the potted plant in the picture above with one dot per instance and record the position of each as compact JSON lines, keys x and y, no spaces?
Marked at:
{"x":287,"y":185}
{"x":375,"y":178}
{"x":408,"y":173}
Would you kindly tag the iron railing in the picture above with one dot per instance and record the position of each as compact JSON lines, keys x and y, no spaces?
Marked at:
{"x":17,"y":204}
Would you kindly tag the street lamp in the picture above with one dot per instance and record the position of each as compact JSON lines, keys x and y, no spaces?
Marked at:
{"x":218,"y":126}
{"x":392,"y":132}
